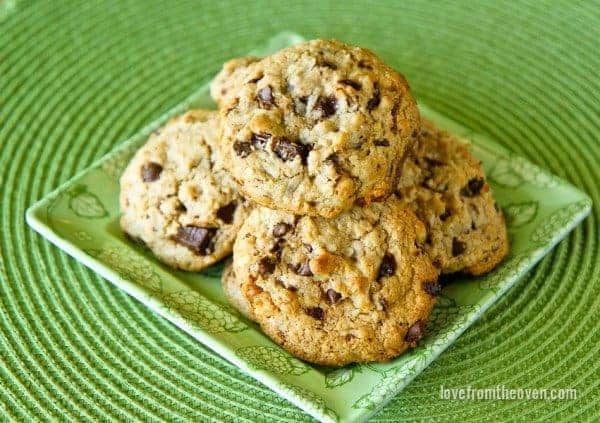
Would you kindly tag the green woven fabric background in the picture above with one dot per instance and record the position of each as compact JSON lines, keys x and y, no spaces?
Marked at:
{"x":78,"y":77}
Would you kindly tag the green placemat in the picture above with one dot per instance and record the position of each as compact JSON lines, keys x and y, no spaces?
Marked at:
{"x":78,"y":77}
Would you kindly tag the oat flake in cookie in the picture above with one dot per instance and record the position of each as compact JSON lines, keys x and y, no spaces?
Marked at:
{"x":356,"y":288}
{"x":176,"y":197}
{"x":446,"y":187}
{"x":316,"y":127}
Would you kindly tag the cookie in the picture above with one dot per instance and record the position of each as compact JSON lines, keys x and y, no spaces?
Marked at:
{"x":228,"y":78}
{"x":233,"y":291}
{"x":446,"y":187}
{"x":176,"y":197}
{"x":356,"y":288}
{"x":317,"y":127}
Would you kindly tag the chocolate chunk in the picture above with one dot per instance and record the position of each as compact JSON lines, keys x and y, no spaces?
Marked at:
{"x":444,"y":216}
{"x":327,"y":106}
{"x":433,"y":162}
{"x":364,"y":64}
{"x":376,"y":99}
{"x":472,"y":188}
{"x":196,"y":238}
{"x":242,"y":149}
{"x":181,"y":207}
{"x":260,"y":140}
{"x":458,"y":247}
{"x":226,"y":212}
{"x":324,"y":63}
{"x":315,"y":312}
{"x":381,"y":142}
{"x":280,"y":229}
{"x":266,"y":266}
{"x":432,"y":288}
{"x":387,"y":266}
{"x":291,"y":288}
{"x":151,"y":172}
{"x":415,"y":332}
{"x":265,"y":97}
{"x":350,"y":83}
{"x":394,"y":113}
{"x":333,"y":296}
{"x":304,"y":269}
{"x":287,"y":150}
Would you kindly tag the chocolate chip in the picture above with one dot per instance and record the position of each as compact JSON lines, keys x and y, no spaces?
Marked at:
{"x":280,"y":229}
{"x":350,"y":83}
{"x":349,"y":337}
{"x":260,"y":140}
{"x":196,"y":238}
{"x":287,"y":150}
{"x":394,"y":113}
{"x":333,"y":296}
{"x":444,"y":216}
{"x":364,"y":64}
{"x":315,"y":312}
{"x":458,"y":247}
{"x":433,"y":162}
{"x":327,"y":106}
{"x":472,"y":188}
{"x":226,"y":212}
{"x":376,"y":99}
{"x":266,"y":266}
{"x":322,"y":62}
{"x":242,"y":149}
{"x":432,"y":288}
{"x":381,"y":142}
{"x":265,"y":97}
{"x":387,"y":266}
{"x":181,"y":207}
{"x":291,"y":288}
{"x":308,"y":248}
{"x":151,"y":172}
{"x":415,"y":332}
{"x":304,"y":269}
{"x":473,"y":225}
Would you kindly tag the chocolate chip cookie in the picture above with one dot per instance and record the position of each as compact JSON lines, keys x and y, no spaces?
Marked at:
{"x":176,"y":197}
{"x":317,"y":127}
{"x":446,"y":187}
{"x":356,"y":288}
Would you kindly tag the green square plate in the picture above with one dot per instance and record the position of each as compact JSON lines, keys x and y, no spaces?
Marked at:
{"x":81,"y":217}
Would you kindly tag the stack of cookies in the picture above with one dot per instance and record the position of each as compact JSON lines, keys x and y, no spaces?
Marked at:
{"x":341,"y":206}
